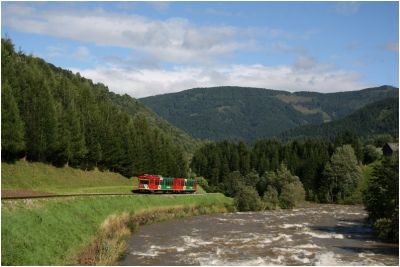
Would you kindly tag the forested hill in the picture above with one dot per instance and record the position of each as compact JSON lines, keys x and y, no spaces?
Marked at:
{"x":380,"y":117}
{"x":250,"y":113}
{"x":52,"y":115}
{"x":135,"y":107}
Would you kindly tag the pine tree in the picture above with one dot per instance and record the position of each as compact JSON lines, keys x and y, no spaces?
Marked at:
{"x":341,"y":175}
{"x":12,"y":127}
{"x":40,"y":120}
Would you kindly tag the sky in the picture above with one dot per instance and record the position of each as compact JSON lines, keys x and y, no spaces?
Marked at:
{"x":151,"y":48}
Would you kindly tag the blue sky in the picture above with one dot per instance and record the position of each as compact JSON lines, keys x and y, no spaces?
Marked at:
{"x":148,"y":48}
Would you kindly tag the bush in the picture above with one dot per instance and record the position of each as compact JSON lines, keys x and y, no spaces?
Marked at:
{"x":291,"y":195}
{"x":371,"y":154}
{"x":386,"y":229}
{"x":247,"y":199}
{"x":232,"y":183}
{"x":252,"y":179}
{"x":270,"y":199}
{"x":288,"y":188}
{"x":203,"y":183}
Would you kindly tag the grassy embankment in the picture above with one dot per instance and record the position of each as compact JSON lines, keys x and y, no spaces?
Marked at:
{"x":82,"y":230}
{"x":41,"y":177}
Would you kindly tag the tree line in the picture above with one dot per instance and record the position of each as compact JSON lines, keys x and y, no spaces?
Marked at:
{"x":311,"y":160}
{"x":55,"y":116}
{"x":329,"y":171}
{"x":271,"y":174}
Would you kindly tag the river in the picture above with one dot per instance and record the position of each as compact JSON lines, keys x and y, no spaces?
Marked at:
{"x":316,"y":235}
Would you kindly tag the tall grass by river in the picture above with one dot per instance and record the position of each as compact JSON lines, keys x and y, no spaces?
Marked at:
{"x":55,"y":231}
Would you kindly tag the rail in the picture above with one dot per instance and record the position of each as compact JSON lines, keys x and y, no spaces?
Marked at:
{"x":92,"y":194}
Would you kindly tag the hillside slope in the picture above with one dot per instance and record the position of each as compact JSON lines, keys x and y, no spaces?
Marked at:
{"x":377,"y":118}
{"x":53,"y":115}
{"x":26,"y":178}
{"x":250,"y":113}
{"x":137,"y":108}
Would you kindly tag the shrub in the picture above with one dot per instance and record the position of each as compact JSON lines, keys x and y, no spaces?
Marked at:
{"x":232,"y":183}
{"x":385,"y":229}
{"x":288,"y":188}
{"x":252,"y":179}
{"x":247,"y":199}
{"x":291,"y":195}
{"x":270,"y":199}
{"x":203,"y":183}
{"x":371,"y":154}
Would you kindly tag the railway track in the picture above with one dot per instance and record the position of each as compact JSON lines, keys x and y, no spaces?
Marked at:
{"x":89,"y":195}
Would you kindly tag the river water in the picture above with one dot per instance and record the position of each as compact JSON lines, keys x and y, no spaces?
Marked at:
{"x":316,"y":235}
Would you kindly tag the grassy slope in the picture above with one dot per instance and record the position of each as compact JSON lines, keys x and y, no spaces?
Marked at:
{"x":46,"y":178}
{"x":53,"y":231}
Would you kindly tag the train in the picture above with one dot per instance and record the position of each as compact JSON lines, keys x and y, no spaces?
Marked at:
{"x":157,"y":184}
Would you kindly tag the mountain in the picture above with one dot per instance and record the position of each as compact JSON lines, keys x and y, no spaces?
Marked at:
{"x":250,"y":113}
{"x":380,"y":117}
{"x":55,"y":116}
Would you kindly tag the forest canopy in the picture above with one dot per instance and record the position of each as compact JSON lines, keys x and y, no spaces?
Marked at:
{"x":52,"y":115}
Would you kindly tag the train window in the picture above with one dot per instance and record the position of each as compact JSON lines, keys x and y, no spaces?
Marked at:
{"x":144,"y":181}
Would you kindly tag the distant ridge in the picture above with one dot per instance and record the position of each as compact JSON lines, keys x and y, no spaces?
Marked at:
{"x":381,"y":117}
{"x":247,"y":113}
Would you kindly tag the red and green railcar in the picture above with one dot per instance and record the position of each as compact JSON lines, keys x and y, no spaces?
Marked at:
{"x":157,"y":183}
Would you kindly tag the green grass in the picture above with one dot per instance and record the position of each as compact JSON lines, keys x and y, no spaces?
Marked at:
{"x":36,"y":176}
{"x":46,"y":178}
{"x":53,"y":231}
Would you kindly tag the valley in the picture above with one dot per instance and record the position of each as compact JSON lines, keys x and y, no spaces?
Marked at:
{"x":283,"y":177}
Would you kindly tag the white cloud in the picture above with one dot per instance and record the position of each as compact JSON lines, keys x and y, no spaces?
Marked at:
{"x":146,"y":82}
{"x":173,"y":40}
{"x":176,"y":40}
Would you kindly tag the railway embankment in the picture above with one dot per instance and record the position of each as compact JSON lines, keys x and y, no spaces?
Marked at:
{"x":24,"y":178}
{"x":82,"y":229}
